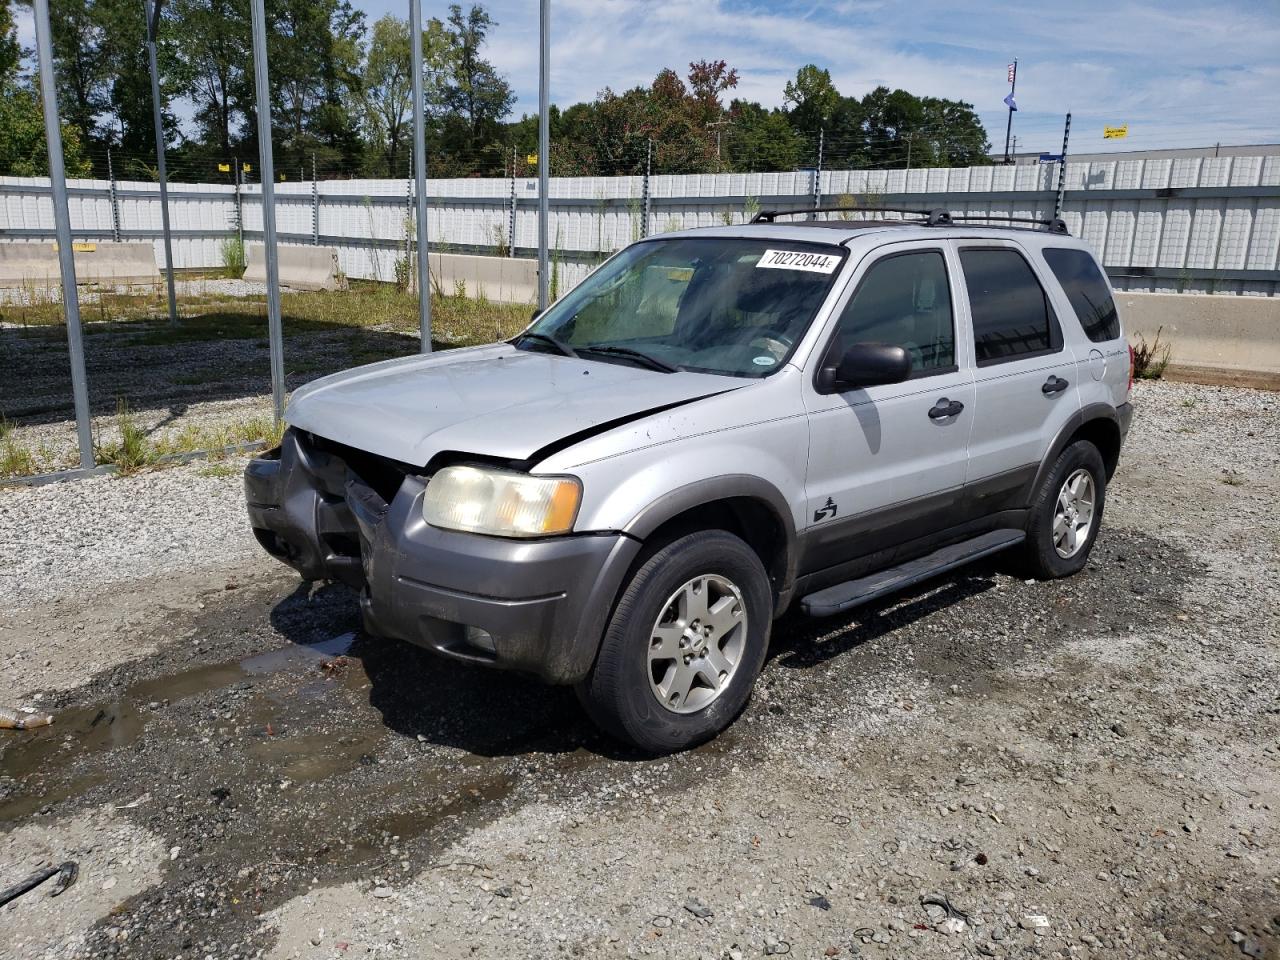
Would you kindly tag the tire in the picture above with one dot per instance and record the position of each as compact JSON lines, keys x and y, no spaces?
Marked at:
{"x":634,"y":689}
{"x":1050,"y":529}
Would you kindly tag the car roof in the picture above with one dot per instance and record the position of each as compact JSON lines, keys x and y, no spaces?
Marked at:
{"x":867,"y":234}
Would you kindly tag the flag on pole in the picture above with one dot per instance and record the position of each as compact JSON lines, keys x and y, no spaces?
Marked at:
{"x":1011,"y":103}
{"x":1013,"y":71}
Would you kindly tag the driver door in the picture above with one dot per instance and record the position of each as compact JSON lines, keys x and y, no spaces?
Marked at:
{"x":887,"y":462}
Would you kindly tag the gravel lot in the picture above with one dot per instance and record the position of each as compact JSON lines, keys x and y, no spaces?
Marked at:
{"x":980,"y":767}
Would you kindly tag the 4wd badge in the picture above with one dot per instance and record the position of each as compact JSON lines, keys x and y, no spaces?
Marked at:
{"x":827,"y":510}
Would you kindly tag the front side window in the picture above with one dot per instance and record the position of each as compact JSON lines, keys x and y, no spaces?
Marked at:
{"x":707,"y":304}
{"x":1012,"y":318}
{"x":1088,"y":291}
{"x":903,"y":300}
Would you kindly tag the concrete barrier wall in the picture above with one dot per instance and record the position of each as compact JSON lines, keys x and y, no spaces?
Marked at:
{"x":301,"y":267}
{"x":102,"y":261}
{"x":500,"y":279}
{"x":1212,"y":338}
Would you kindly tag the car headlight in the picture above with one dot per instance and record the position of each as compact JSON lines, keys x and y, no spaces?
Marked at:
{"x":501,"y":503}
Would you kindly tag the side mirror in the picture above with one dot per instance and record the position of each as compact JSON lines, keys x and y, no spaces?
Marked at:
{"x":866,"y":365}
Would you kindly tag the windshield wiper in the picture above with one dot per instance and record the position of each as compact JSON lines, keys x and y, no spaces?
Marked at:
{"x":653,"y":363}
{"x":561,"y":348}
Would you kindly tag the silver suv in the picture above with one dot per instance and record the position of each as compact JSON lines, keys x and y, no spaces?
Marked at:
{"x":716,"y":425}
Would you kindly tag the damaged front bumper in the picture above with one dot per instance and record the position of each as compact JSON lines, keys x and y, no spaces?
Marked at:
{"x":332,"y":512}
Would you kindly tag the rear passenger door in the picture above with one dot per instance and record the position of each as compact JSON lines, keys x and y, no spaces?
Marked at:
{"x":1024,"y":373}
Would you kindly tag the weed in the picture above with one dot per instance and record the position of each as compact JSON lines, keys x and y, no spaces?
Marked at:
{"x":15,"y":459}
{"x":133,"y":451}
{"x":218,"y":470}
{"x":231,"y":250}
{"x":1150,"y":359}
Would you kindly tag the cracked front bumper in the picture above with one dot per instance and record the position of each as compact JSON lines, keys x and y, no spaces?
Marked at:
{"x":535,"y":605}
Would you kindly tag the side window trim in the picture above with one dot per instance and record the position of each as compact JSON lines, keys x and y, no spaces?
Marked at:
{"x":1057,"y":343}
{"x":834,"y":333}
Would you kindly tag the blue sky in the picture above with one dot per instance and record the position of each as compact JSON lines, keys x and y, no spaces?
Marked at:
{"x":1178,"y":73}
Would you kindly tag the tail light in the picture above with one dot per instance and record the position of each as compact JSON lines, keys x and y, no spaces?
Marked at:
{"x":1131,"y":368}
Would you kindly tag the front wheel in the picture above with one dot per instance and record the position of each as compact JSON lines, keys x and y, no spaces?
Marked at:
{"x":684,"y":646}
{"x":1066,"y":513}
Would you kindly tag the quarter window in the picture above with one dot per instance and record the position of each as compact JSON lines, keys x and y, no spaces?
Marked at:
{"x":904,"y":300}
{"x":1088,"y":291}
{"x":1011,"y":314}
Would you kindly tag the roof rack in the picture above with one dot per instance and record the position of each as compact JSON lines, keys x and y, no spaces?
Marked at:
{"x":935,"y":217}
{"x":1054,"y":224}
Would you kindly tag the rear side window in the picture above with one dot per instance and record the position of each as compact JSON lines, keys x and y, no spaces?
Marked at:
{"x":1088,"y":291}
{"x":904,"y":300}
{"x":1012,"y":318}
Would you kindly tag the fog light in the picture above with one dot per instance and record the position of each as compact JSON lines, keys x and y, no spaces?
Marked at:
{"x":480,"y":639}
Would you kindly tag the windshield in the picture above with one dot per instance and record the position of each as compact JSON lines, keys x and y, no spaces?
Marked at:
{"x":708,"y":304}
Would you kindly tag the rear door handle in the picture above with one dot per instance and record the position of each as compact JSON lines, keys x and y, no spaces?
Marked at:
{"x":1054,"y":384}
{"x":945,"y":408}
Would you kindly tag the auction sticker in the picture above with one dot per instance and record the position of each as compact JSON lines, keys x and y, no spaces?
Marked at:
{"x":798,"y":260}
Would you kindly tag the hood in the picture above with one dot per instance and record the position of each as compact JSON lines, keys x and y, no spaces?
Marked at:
{"x":493,"y":401}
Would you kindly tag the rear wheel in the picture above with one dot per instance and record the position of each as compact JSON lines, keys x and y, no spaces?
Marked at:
{"x":1066,"y":513}
{"x":684,"y":646}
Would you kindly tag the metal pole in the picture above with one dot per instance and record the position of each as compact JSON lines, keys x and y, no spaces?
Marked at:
{"x":1013,"y":86}
{"x":267,"y":174}
{"x":153,"y":18}
{"x":544,"y":152}
{"x":420,"y":178}
{"x":115,"y":199}
{"x":817,"y":172}
{"x":511,"y":223}
{"x":315,"y":204}
{"x":648,"y":172}
{"x":1062,"y":170}
{"x":239,"y":209}
{"x":62,"y":229}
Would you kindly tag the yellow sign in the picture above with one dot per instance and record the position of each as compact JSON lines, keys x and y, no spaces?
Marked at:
{"x":224,"y":168}
{"x":532,"y":159}
{"x":245,"y":167}
{"x":1115,"y":133}
{"x":79,"y":246}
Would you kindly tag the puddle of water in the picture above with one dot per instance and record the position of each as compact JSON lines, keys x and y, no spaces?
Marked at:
{"x":427,"y":812}
{"x":119,"y":722}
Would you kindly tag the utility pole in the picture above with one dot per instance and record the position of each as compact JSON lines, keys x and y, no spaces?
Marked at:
{"x":1009,"y":102}
{"x":152,"y":9}
{"x":62,"y":230}
{"x":544,"y":153}
{"x":420,"y":178}
{"x":1062,"y":169}
{"x":908,"y":151}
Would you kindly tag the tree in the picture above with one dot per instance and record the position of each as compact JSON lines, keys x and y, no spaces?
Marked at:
{"x":813,"y":99}
{"x":23,"y":151}
{"x":10,"y":51}
{"x":215,"y":59}
{"x":762,"y":139}
{"x":707,"y":80}
{"x":474,"y":98}
{"x":388,"y":88}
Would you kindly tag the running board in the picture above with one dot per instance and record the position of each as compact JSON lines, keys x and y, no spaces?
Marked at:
{"x":852,"y":593}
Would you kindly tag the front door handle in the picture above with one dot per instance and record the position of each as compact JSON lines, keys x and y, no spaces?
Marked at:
{"x":1054,"y":384}
{"x":945,"y":408}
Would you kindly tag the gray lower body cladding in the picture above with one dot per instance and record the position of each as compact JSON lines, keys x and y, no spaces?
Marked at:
{"x":534,"y":605}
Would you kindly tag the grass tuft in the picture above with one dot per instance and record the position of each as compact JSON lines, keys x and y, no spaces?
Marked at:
{"x":15,"y":459}
{"x":1150,"y":359}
